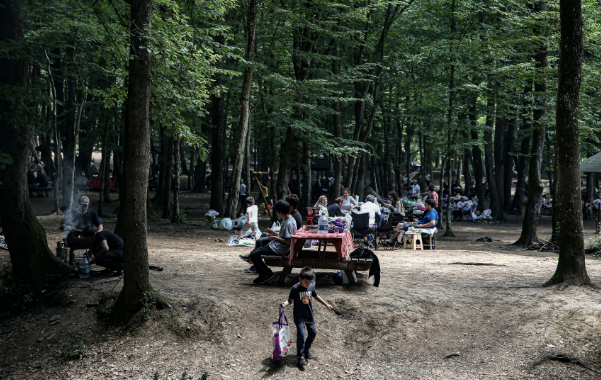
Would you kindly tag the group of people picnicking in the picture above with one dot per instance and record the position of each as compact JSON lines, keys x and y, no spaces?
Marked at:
{"x":83,"y":230}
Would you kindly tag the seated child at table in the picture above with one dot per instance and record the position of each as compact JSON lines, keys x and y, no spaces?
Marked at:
{"x":279,"y":245}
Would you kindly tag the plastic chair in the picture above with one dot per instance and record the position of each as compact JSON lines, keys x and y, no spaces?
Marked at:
{"x":361,"y":228}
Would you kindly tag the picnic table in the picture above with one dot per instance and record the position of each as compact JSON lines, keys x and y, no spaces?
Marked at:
{"x":321,"y":258}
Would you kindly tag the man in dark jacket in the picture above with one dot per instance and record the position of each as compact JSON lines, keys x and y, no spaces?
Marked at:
{"x":107,"y":249}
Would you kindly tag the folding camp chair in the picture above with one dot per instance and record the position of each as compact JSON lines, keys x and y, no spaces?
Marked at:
{"x":361,"y":229}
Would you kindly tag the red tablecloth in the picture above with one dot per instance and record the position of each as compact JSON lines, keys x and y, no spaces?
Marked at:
{"x":343,"y":242}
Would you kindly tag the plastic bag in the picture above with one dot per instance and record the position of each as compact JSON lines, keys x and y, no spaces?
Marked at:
{"x":212,"y":213}
{"x":215,"y":224}
{"x":281,"y":336}
{"x":226,"y":224}
{"x":276,"y":226}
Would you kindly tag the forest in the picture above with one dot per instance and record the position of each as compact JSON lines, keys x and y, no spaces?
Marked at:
{"x":168,"y":101}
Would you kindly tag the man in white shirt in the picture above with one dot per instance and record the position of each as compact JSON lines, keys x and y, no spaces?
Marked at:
{"x":415,"y":189}
{"x":427,"y":177}
{"x":370,"y":207}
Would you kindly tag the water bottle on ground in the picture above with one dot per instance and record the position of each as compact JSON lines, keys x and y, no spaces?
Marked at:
{"x":84,"y":267}
{"x":323,"y":224}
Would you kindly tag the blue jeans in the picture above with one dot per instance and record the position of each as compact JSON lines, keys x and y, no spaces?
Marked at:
{"x":303,"y":346}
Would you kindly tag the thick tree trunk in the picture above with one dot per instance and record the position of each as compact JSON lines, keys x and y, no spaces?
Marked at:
{"x":31,"y":259}
{"x":243,"y":123}
{"x":571,"y":268}
{"x":495,"y":203}
{"x":200,"y":176}
{"x":57,"y":155}
{"x":136,"y":284}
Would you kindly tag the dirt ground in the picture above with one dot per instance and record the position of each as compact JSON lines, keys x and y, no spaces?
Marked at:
{"x":429,"y":304}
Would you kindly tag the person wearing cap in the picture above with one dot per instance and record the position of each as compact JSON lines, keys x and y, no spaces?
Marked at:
{"x":74,"y":222}
{"x":107,"y":249}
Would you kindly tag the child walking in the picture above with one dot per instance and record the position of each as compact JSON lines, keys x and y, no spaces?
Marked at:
{"x":301,"y":295}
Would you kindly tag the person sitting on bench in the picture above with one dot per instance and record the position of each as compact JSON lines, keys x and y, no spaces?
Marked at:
{"x":279,"y":245}
{"x":41,"y":179}
{"x":73,"y":223}
{"x":293,"y":201}
{"x":335,"y":209}
{"x":427,"y":222}
{"x":107,"y":249}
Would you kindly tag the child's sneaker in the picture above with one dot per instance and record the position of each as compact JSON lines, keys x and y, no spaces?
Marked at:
{"x":302,"y":361}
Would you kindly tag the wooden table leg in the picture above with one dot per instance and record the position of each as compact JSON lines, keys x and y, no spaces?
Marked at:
{"x":351,"y":278}
{"x":285,"y":272}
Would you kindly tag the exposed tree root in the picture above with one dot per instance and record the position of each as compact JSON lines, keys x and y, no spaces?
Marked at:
{"x":564,"y":359}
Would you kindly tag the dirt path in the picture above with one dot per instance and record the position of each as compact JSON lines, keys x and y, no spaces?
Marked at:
{"x":429,"y":304}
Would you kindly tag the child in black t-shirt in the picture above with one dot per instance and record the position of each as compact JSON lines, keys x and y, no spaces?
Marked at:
{"x":301,"y":294}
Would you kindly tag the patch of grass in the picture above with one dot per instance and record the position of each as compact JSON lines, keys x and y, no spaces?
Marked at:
{"x":72,"y":349}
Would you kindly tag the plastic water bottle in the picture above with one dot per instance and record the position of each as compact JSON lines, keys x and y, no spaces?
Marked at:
{"x":84,"y":267}
{"x":323,"y":224}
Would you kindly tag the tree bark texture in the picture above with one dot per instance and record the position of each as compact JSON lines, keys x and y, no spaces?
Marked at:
{"x":500,"y":129}
{"x":571,"y":268}
{"x":477,"y":156}
{"x":136,"y":284}
{"x":26,"y":238}
{"x":243,"y":123}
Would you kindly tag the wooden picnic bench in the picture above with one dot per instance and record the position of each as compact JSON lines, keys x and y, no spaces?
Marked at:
{"x":320,"y":258}
{"x":40,"y":190}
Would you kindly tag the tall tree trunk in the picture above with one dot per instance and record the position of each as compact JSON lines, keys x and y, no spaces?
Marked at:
{"x":508,"y":151}
{"x":445,"y":166}
{"x":535,"y":188}
{"x":337,"y":127}
{"x":167,"y":177}
{"x":500,"y":132}
{"x":183,"y":163}
{"x":495,"y":203}
{"x":243,"y":123}
{"x":200,"y":176}
{"x":571,"y":268}
{"x":176,"y":217}
{"x":31,"y":259}
{"x":477,"y":155}
{"x":136,"y":284}
{"x":218,"y":154}
{"x":57,"y":154}
{"x":103,"y":166}
{"x":523,"y":160}
{"x":69,"y":142}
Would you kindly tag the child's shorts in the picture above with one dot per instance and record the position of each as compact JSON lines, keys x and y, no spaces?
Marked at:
{"x":253,"y":226}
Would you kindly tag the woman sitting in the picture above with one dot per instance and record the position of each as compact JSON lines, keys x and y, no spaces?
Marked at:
{"x":322,"y":205}
{"x":348,"y":202}
{"x":396,"y":207}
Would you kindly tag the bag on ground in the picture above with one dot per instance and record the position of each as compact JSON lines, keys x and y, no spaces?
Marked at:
{"x":281,"y":336}
{"x":226,"y":224}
